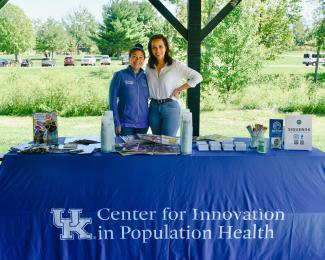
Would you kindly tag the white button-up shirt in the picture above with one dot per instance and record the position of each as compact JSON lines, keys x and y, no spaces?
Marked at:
{"x":170,"y":77}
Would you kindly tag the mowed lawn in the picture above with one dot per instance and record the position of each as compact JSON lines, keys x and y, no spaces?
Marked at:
{"x":16,"y":130}
{"x":290,"y":63}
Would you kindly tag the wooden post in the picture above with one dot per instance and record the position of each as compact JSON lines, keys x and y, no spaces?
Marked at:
{"x":194,"y":59}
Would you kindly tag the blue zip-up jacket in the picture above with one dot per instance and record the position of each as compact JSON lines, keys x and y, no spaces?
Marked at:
{"x":128,"y":98}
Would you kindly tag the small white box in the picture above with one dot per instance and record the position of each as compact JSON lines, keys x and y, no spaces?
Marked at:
{"x":240,"y":146}
{"x":201,"y":142}
{"x":203,"y":147}
{"x":228,"y":141}
{"x":227,"y":147}
{"x":215,"y":146}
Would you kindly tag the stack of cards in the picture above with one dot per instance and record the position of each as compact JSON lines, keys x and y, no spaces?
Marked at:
{"x":240,"y":146}
{"x":228,"y":144}
{"x":215,"y":145}
{"x":202,"y":145}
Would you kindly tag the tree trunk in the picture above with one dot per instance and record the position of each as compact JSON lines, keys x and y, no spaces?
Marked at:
{"x":317,"y":62}
{"x":16,"y":57}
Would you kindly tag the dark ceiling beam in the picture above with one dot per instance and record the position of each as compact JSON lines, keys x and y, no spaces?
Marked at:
{"x":3,"y":2}
{"x":169,"y":17}
{"x":218,"y":18}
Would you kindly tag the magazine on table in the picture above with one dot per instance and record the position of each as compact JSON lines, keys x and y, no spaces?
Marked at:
{"x":148,"y":148}
{"x":159,"y":139}
{"x":45,"y":128}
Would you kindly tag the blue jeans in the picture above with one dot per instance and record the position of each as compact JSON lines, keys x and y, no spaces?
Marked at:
{"x":164,"y":117}
{"x":133,"y":131}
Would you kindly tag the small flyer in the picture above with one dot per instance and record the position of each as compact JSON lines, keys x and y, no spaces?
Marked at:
{"x":45,"y":128}
{"x":275,"y":133}
{"x":298,"y":132}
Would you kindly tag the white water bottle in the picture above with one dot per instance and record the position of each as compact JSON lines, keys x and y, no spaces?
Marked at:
{"x":107,"y":134}
{"x":186,"y":133}
{"x":183,"y":111}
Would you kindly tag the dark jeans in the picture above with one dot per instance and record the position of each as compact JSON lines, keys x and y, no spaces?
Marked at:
{"x":133,"y":131}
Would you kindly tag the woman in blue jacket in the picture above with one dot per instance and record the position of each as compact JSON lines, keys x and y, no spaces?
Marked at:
{"x":128,"y":96}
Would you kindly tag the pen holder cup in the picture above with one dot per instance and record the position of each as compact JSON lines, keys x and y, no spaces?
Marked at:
{"x":254,"y":141}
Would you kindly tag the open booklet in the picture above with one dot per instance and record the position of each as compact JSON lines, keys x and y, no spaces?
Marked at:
{"x":159,"y":139}
{"x":148,"y":144}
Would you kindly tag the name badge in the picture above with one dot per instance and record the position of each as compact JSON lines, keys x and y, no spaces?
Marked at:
{"x":129,"y":82}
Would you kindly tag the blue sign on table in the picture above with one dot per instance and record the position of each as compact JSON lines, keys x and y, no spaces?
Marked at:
{"x":276,"y":133}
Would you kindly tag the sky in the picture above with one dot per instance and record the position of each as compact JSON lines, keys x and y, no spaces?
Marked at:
{"x":58,"y":8}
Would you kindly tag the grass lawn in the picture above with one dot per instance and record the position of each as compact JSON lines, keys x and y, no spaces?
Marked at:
{"x":289,"y":63}
{"x":15,"y":130}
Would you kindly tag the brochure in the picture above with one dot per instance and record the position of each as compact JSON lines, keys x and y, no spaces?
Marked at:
{"x":45,"y":128}
{"x":276,"y":133}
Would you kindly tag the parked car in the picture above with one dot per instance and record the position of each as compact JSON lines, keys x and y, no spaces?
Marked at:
{"x":47,"y":62}
{"x":310,"y":58}
{"x":88,"y":60}
{"x":26,"y":63}
{"x":69,"y":61}
{"x":6,"y":62}
{"x":125,"y":59}
{"x":105,"y":60}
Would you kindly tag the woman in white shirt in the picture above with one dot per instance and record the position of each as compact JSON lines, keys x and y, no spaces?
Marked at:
{"x":166,"y":78}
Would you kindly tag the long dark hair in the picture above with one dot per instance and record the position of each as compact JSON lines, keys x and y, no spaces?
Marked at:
{"x":152,"y":59}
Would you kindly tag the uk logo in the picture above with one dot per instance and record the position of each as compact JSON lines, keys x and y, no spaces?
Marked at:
{"x":74,"y":225}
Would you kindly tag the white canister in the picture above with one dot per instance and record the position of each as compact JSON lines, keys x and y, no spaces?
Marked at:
{"x":107,"y":133}
{"x":186,"y":133}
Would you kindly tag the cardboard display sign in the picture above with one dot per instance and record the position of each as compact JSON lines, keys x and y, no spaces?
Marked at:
{"x":298,"y":132}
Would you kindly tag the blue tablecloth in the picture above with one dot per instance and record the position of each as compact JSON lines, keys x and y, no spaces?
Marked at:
{"x":209,"y":205}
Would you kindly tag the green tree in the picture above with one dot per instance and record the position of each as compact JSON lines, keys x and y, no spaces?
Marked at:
{"x":319,"y":33}
{"x":51,"y":36}
{"x":231,"y":54}
{"x":275,"y":26}
{"x":81,"y":25}
{"x":16,"y":33}
{"x":300,"y":33}
{"x":124,"y":24}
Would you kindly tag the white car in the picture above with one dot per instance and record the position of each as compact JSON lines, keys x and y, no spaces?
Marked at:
{"x":125,"y":59}
{"x":88,"y":60}
{"x":310,"y":58}
{"x":105,"y":60}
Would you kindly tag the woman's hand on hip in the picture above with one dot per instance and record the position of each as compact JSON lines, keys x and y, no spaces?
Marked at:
{"x":178,"y":90}
{"x":175,"y":93}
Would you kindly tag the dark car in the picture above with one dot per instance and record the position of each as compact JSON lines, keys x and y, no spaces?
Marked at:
{"x":69,"y":61}
{"x":47,"y":62}
{"x":26,"y":63}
